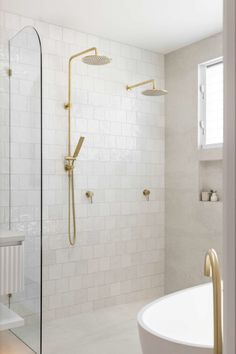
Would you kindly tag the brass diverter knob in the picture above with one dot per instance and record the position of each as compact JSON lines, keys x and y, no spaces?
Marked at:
{"x":89,"y":195}
{"x":146,"y":193}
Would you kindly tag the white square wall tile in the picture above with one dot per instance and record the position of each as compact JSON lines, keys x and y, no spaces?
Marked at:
{"x":55,"y":32}
{"x":120,"y":234}
{"x":12,"y":21}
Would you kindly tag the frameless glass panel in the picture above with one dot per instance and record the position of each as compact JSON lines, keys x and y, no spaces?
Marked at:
{"x":26,"y":177}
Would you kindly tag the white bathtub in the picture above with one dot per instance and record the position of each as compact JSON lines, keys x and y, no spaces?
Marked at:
{"x":179,"y":323}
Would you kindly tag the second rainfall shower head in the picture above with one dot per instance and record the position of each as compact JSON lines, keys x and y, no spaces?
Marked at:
{"x":149,"y":92}
{"x":154,"y":92}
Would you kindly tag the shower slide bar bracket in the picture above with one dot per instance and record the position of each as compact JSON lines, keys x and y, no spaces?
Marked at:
{"x":67,"y":105}
{"x":9,"y":72}
{"x":69,"y":164}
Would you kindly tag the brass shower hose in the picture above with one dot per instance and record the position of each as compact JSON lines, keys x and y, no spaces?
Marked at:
{"x":71,"y":205}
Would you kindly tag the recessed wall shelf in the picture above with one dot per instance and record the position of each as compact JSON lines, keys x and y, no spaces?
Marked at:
{"x":209,"y":202}
{"x":211,"y":178}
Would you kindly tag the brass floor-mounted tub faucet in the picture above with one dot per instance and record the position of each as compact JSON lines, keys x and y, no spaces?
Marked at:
{"x":93,"y":59}
{"x":212,"y":269}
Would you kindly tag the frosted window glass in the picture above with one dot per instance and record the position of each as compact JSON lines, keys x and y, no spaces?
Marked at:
{"x":214,"y":104}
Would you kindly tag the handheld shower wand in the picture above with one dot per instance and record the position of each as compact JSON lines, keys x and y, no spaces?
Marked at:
{"x":93,"y":59}
{"x":78,"y":147}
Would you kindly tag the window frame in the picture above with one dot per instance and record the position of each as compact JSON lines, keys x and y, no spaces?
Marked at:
{"x":202,"y":104}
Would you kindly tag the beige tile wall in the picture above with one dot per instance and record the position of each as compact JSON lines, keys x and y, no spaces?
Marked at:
{"x":191,"y":226}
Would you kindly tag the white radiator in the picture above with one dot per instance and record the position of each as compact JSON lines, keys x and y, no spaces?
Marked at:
{"x":11,"y":269}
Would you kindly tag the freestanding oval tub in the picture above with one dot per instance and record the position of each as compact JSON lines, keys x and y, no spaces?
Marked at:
{"x":179,"y":323}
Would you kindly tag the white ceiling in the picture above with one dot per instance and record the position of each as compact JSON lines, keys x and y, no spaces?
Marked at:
{"x":158,"y":25}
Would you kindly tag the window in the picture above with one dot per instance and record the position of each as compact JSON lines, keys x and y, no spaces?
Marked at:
{"x":211,"y":103}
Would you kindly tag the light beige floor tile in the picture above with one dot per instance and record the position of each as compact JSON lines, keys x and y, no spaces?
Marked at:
{"x":112,"y":330}
{"x":10,"y":344}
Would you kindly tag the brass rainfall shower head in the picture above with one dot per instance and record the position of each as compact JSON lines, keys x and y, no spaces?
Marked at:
{"x":96,"y":59}
{"x":149,"y":92}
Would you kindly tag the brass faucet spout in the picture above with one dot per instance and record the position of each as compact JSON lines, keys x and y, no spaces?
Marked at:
{"x":212,"y":270}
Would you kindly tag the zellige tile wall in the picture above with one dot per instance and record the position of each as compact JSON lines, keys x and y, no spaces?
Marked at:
{"x":119,"y":255}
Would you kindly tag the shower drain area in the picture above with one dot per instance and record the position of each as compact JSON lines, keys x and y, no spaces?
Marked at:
{"x":111,"y":330}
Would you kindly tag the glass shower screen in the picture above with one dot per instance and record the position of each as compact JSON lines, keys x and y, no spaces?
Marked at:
{"x":25,"y":176}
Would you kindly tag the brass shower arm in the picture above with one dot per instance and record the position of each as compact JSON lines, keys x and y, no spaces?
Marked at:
{"x":93,"y":49}
{"x":152,"y":81}
{"x":67,"y":105}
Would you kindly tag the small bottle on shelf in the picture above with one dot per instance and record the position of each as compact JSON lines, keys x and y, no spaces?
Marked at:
{"x":214,"y":196}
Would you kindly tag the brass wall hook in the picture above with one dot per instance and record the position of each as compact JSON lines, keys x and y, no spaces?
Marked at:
{"x":89,"y":195}
{"x":146,"y":193}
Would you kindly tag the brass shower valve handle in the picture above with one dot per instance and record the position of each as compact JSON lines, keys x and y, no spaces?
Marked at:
{"x":90,"y":195}
{"x":146,"y":193}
